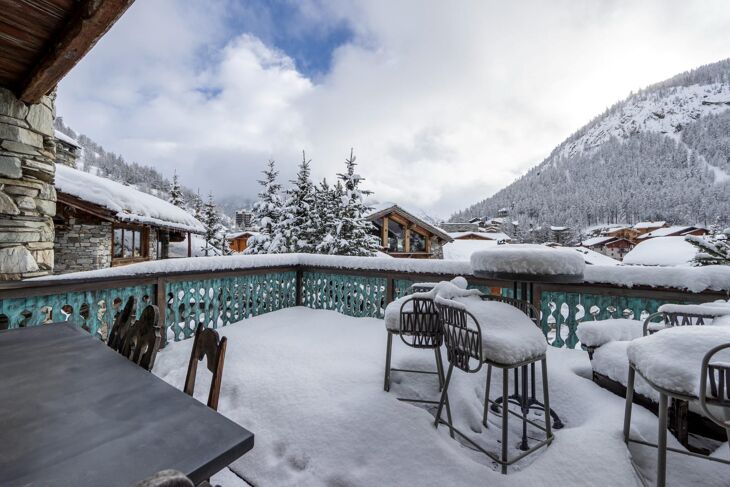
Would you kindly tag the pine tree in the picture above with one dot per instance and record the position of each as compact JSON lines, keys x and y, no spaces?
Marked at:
{"x":355,"y":235}
{"x":197,"y":205}
{"x":328,"y":211}
{"x":711,"y":249}
{"x":213,"y":237}
{"x":176,"y":196}
{"x":267,"y":213}
{"x":297,"y":225}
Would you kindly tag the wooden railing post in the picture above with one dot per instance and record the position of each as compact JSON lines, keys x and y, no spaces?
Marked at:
{"x":161,"y":302}
{"x":389,"y":290}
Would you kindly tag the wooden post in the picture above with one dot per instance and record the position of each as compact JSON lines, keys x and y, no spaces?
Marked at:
{"x":428,"y":245}
{"x":161,"y":302}
{"x":190,"y":246}
{"x":384,"y":236}
{"x":407,"y":239}
{"x":389,"y":291}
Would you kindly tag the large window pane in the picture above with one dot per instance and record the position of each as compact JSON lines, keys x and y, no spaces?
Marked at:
{"x":137,"y":243}
{"x":128,"y":243}
{"x":395,"y":237}
{"x":117,"y":242}
{"x":418,"y":242}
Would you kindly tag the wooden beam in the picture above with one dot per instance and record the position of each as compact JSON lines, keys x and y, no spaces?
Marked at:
{"x":407,"y":239}
{"x":384,"y":236}
{"x":91,"y":20}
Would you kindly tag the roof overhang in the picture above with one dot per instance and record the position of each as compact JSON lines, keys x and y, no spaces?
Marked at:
{"x":408,"y":216}
{"x":41,"y":40}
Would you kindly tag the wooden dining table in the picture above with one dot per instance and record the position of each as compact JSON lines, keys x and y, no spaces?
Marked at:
{"x":74,"y":412}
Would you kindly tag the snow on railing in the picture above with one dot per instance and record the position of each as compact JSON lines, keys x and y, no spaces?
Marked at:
{"x":218,"y":291}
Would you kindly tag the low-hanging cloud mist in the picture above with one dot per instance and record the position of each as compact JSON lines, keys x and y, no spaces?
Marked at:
{"x":444,"y":102}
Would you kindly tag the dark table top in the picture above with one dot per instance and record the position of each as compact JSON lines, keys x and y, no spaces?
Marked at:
{"x":74,"y":412}
{"x":553,"y":278}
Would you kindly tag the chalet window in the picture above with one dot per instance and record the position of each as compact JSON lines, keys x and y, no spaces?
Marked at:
{"x":129,"y":243}
{"x":418,"y":242}
{"x":396,"y":237}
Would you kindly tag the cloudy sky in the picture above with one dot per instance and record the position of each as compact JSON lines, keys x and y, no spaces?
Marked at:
{"x":443,"y":102}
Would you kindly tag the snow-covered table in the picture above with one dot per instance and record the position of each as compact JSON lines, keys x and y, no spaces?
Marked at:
{"x":525,"y":265}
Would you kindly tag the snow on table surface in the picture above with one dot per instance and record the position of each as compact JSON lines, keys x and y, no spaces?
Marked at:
{"x":128,"y":203}
{"x":600,"y":332}
{"x":662,"y":251}
{"x":528,"y":259}
{"x":714,"y":308}
{"x":672,"y":358}
{"x":309,"y":385}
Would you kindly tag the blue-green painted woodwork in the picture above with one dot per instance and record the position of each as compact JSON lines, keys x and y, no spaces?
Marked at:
{"x":93,"y":310}
{"x":351,"y":295}
{"x":563,"y":312}
{"x":219,"y":302}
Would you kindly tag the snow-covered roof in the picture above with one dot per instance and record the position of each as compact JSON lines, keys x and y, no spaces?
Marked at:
{"x":380,"y":209}
{"x":462,"y":249}
{"x":667,"y":231}
{"x":483,"y":235}
{"x":590,"y":242}
{"x":592,"y":257}
{"x":240,"y":234}
{"x":645,"y":225}
{"x":125,"y":202}
{"x":662,"y":251}
{"x":558,"y":229}
{"x":65,"y":138}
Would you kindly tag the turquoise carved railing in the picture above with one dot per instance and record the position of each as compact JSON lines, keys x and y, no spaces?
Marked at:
{"x":563,"y":312}
{"x":219,"y":302}
{"x":348,"y":294}
{"x":93,"y":310}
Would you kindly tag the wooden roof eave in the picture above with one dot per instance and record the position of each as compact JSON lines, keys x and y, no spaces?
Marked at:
{"x":87,"y":23}
{"x":403,"y":213}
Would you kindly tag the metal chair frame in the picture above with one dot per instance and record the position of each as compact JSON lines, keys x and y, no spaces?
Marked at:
{"x":464,"y":346}
{"x":419,"y":328}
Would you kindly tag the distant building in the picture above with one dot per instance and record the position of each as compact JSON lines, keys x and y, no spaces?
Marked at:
{"x":67,"y":149}
{"x":674,"y":231}
{"x":101,"y":223}
{"x":244,"y":219}
{"x":403,"y":234}
{"x":459,"y":227}
{"x":559,"y":235}
{"x":495,"y":236}
{"x":238,"y":241}
{"x":614,"y":247}
{"x":646,"y":227}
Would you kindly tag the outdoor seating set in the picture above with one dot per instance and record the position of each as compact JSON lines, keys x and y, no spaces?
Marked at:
{"x":685,"y":357}
{"x":476,"y":330}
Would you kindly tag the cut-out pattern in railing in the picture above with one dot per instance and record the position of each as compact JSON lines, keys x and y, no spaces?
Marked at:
{"x":563,"y":312}
{"x":349,"y":294}
{"x":92,"y":310}
{"x":219,"y":302}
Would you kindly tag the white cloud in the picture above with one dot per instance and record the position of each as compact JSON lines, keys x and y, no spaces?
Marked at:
{"x":443,"y":102}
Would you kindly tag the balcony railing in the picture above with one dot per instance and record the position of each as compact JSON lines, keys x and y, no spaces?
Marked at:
{"x":353,"y":286}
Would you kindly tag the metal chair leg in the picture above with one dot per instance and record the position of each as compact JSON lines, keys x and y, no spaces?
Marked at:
{"x":629,"y":403}
{"x":388,"y":351}
{"x":546,"y":399}
{"x":486,"y":395}
{"x":505,"y":415}
{"x":661,"y":464}
{"x":439,"y":368}
{"x":444,"y":395}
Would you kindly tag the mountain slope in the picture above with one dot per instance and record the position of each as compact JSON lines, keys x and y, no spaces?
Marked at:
{"x":662,"y":153}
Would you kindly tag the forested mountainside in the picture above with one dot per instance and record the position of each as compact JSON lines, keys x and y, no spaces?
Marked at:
{"x":94,"y":159}
{"x":663,"y":153}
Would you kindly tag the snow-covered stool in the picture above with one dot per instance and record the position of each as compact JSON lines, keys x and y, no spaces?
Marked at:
{"x":482,"y":330}
{"x":681,"y":362}
{"x":415,"y":319}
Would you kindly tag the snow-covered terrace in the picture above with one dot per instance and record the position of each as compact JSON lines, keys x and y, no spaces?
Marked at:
{"x":309,"y":383}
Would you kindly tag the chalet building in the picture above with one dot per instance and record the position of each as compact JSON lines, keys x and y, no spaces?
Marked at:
{"x":614,"y":247}
{"x":646,"y":227}
{"x":487,"y":236}
{"x":100,"y":223}
{"x":40,"y":43}
{"x":629,"y":233}
{"x":403,"y":234}
{"x":674,"y":231}
{"x":238,"y":241}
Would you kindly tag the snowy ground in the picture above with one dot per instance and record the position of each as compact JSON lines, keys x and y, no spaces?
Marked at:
{"x":309,"y":384}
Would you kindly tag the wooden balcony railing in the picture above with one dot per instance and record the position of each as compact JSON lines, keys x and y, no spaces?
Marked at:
{"x":218,"y":298}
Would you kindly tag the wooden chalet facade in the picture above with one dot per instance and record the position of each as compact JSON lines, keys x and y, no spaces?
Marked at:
{"x":238,"y":242}
{"x":403,"y":234}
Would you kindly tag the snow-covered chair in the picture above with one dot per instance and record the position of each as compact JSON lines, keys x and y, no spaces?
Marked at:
{"x":415,"y":319}
{"x":607,"y":342}
{"x":487,"y":330}
{"x":680,"y":363}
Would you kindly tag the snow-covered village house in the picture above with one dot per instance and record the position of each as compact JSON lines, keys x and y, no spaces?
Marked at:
{"x":238,"y":241}
{"x":402,"y":234}
{"x":100,"y":223}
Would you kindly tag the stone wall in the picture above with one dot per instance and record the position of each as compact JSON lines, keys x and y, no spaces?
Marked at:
{"x":66,"y":154}
{"x":27,"y":195}
{"x":83,"y":246}
{"x":152,"y":244}
{"x":437,"y":252}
